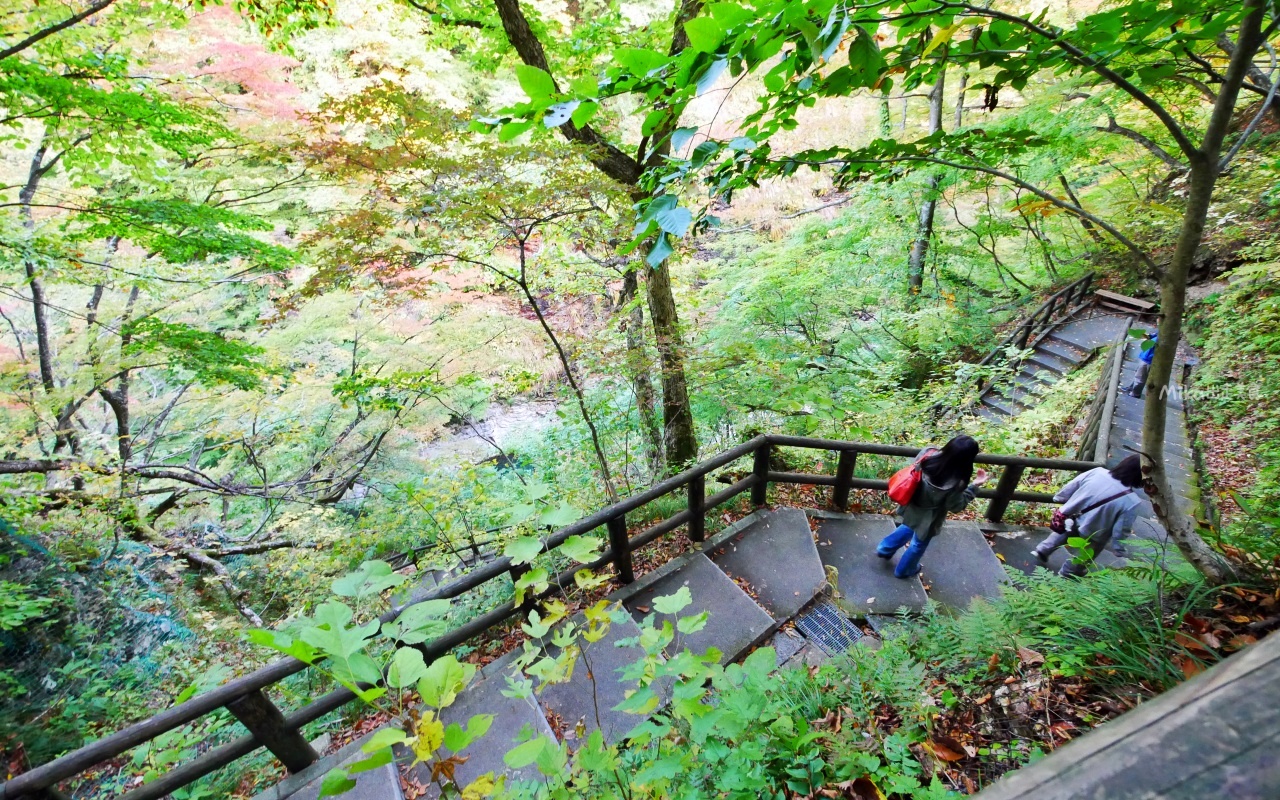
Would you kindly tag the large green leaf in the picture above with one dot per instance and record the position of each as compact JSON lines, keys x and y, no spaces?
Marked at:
{"x":535,"y":82}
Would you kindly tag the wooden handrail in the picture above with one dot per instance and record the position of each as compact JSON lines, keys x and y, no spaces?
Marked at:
{"x":282,"y":729}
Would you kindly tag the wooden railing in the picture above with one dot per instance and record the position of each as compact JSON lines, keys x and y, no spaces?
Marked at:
{"x":1097,"y":424}
{"x":281,"y":733}
{"x":1036,"y":325}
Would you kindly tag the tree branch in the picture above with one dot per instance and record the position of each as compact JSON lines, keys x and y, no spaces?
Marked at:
{"x":52,"y":29}
{"x":1150,"y":145}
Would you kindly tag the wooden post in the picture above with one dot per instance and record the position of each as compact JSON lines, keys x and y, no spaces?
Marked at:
{"x":517,"y":572}
{"x":621,"y":548}
{"x":697,"y":508}
{"x":844,"y":477}
{"x":760,"y":489}
{"x":1024,"y":334}
{"x":1004,"y":492}
{"x":266,"y":723}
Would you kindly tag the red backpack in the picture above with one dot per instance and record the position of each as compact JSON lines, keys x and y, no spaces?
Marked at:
{"x":903,"y":484}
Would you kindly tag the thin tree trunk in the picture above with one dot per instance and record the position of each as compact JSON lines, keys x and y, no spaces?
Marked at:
{"x":679,"y":438}
{"x":39,"y":306}
{"x":920,"y":247}
{"x":1084,"y":223}
{"x":639,"y":365}
{"x":886,"y":118}
{"x":603,"y":463}
{"x":964,"y":81}
{"x":1173,"y":294}
{"x":902,"y":126}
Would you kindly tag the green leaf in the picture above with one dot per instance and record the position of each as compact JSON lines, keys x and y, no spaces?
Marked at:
{"x":585,"y":111}
{"x":705,"y":34}
{"x":681,"y":137}
{"x":407,"y":667}
{"x":419,"y":622}
{"x":638,"y":61}
{"x":373,"y":577}
{"x":380,"y":758}
{"x":661,"y":251}
{"x":581,"y":548}
{"x":384,"y":738}
{"x":445,"y":678}
{"x":535,"y":82}
{"x":703,"y":152}
{"x":673,"y":603}
{"x":535,"y":580}
{"x":336,"y":781}
{"x":525,"y":754}
{"x":562,"y":515}
{"x":653,"y":120}
{"x":688,"y":625}
{"x":675,"y":221}
{"x":523,"y":550}
{"x":513,"y":129}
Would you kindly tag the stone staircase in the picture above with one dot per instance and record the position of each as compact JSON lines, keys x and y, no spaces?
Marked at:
{"x":753,"y":578}
{"x":1056,"y":354}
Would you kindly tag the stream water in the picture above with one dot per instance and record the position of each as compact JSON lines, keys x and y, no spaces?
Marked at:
{"x":504,"y":425}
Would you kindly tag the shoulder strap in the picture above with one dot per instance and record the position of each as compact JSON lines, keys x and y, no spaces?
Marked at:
{"x":1101,"y":503}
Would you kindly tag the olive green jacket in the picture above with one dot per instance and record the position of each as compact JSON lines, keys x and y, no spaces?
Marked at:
{"x":929,"y":507}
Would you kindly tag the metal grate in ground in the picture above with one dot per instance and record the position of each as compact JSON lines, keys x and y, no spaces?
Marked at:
{"x":824,"y":625}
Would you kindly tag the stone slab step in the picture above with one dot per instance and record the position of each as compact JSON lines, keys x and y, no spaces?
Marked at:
{"x":382,"y":783}
{"x":596,"y":685}
{"x":959,"y":566}
{"x":1020,"y":394}
{"x":848,"y":543}
{"x":1003,"y":405}
{"x":1014,"y":548}
{"x":1047,"y":361}
{"x":989,"y":414}
{"x":777,"y":558}
{"x":1033,"y":376}
{"x":736,"y":623}
{"x":1062,"y":351}
{"x":512,"y":717}
{"x":1097,"y":331}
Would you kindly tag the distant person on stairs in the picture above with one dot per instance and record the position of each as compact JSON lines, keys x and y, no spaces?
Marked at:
{"x":1145,"y":358}
{"x":1099,"y":505}
{"x":945,"y":485}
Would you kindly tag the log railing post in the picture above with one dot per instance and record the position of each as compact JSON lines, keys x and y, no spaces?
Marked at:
{"x":760,"y":489}
{"x":621,"y":548}
{"x":1004,"y":492}
{"x":266,"y":723}
{"x":844,"y":479}
{"x":1024,"y":333}
{"x":697,"y":508}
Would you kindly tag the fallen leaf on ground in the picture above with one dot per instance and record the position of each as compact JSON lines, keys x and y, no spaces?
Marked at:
{"x":1030,"y":657}
{"x":945,"y":748}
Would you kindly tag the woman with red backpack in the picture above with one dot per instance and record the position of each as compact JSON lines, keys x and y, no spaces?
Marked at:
{"x":944,"y":482}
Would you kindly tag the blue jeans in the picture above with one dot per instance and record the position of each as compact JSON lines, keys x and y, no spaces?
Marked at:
{"x":909,"y":564}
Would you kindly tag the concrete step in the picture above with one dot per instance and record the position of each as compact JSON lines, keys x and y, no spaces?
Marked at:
{"x":989,"y":414}
{"x":1035,"y":379}
{"x":777,"y":558}
{"x":382,"y":783}
{"x":1089,"y":331}
{"x":596,"y":685}
{"x":1051,"y":363}
{"x":1003,"y":404}
{"x":1062,"y":351}
{"x":959,"y":566}
{"x":1021,"y":394}
{"x":512,"y":715}
{"x":736,"y":622}
{"x":848,"y":543}
{"x":1014,"y":548}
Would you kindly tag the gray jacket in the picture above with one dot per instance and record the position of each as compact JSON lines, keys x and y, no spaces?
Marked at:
{"x":1116,"y":517}
{"x":929,"y":506}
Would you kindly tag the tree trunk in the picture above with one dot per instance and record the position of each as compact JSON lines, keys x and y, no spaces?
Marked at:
{"x":964,"y":81}
{"x":679,"y":438}
{"x":1173,"y":294}
{"x":639,"y":365}
{"x":920,"y":247}
{"x":39,"y":306}
{"x":886,"y":118}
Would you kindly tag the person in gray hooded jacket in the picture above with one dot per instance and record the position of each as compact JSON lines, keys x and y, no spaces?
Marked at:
{"x":1101,"y":507}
